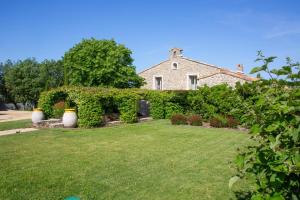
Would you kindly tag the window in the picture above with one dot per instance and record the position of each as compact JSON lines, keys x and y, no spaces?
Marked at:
{"x":192,"y":82}
{"x":158,"y":83}
{"x":174,"y":65}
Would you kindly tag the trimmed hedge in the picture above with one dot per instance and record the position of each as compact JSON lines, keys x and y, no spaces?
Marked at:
{"x":163,"y":104}
{"x":90,"y":113}
{"x":171,"y":109}
{"x":128,"y":106}
{"x":49,"y":98}
{"x":92,"y":103}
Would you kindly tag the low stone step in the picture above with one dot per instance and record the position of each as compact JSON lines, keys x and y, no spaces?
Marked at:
{"x":56,"y":125}
{"x":46,"y":123}
{"x":144,"y":119}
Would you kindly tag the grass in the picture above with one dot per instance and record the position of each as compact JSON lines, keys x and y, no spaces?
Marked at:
{"x":15,"y":124}
{"x":151,"y":160}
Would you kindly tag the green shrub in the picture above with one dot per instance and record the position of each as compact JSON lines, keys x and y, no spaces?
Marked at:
{"x":273,"y":112}
{"x":128,"y":106}
{"x":231,"y":122}
{"x":58,"y":109}
{"x":219,"y":99}
{"x":195,"y":120}
{"x":171,"y":109}
{"x":49,"y":98}
{"x":218,"y":121}
{"x":179,"y":119}
{"x":90,"y":113}
{"x":157,"y":104}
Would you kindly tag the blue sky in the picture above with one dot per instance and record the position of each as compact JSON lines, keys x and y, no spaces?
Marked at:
{"x":223,"y":33}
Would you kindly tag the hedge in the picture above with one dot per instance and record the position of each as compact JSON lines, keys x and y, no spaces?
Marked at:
{"x":92,"y":103}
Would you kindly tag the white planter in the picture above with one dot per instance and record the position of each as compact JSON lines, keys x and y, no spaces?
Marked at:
{"x":37,"y":115}
{"x":70,"y":118}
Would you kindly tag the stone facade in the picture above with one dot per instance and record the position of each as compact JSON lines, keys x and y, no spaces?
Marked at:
{"x":181,"y":73}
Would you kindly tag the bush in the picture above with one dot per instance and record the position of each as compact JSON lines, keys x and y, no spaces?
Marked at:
{"x":179,"y":119}
{"x":58,"y":109}
{"x":49,"y":98}
{"x":172,"y":108}
{"x":195,"y":120}
{"x":232,"y":122}
{"x":128,"y":106}
{"x":90,"y":113}
{"x":219,"y":99}
{"x":218,"y":121}
{"x":273,"y":112}
{"x":157,"y":104}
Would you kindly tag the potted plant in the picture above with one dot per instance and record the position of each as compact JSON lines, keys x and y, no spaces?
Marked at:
{"x":70,"y":118}
{"x":37,"y":115}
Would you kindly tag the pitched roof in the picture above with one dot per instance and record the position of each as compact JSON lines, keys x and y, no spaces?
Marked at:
{"x":221,"y":70}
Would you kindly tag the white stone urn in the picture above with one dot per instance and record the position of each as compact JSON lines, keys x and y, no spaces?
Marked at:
{"x":37,"y":115}
{"x":69,"y":118}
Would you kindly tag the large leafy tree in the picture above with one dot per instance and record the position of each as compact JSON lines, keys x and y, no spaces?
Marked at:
{"x":52,"y":72}
{"x":2,"y":84}
{"x":26,"y":79}
{"x":22,"y":81}
{"x":5,"y":95}
{"x":100,"y":63}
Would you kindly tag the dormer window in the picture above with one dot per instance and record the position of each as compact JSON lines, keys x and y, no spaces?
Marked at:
{"x":174,"y":65}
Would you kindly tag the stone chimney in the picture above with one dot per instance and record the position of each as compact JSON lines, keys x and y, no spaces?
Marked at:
{"x":175,"y":52}
{"x":240,"y":68}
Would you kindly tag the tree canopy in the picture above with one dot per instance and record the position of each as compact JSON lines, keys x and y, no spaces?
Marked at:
{"x":100,"y":63}
{"x":25,"y":79}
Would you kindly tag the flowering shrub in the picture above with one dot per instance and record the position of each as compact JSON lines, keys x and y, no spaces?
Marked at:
{"x":218,"y":121}
{"x":179,"y":119}
{"x":58,"y":109}
{"x":195,"y":120}
{"x":231,"y":121}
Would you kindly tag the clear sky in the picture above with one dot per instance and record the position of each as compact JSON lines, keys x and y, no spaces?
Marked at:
{"x":218,"y":32}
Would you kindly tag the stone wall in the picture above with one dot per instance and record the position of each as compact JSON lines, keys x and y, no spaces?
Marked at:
{"x":176,"y":79}
{"x":219,"y":79}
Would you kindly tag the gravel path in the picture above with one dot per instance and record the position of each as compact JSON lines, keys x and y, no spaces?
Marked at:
{"x":17,"y":131}
{"x":13,"y":115}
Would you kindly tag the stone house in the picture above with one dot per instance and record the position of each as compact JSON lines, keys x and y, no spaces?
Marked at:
{"x":181,"y":73}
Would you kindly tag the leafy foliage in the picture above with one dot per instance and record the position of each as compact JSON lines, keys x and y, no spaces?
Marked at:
{"x":231,"y":121}
{"x":218,"y":121}
{"x":90,"y":113}
{"x":25,"y":79}
{"x":92,"y":102}
{"x":128,"y":106}
{"x":157,"y":103}
{"x":220,"y":99}
{"x":274,"y":114}
{"x":58,"y":109}
{"x":23,"y":82}
{"x":179,"y":119}
{"x":100,"y":63}
{"x":195,"y":120}
{"x":172,"y":108}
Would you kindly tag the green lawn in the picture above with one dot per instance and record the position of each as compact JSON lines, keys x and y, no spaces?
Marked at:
{"x":15,"y":124}
{"x":151,"y":160}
